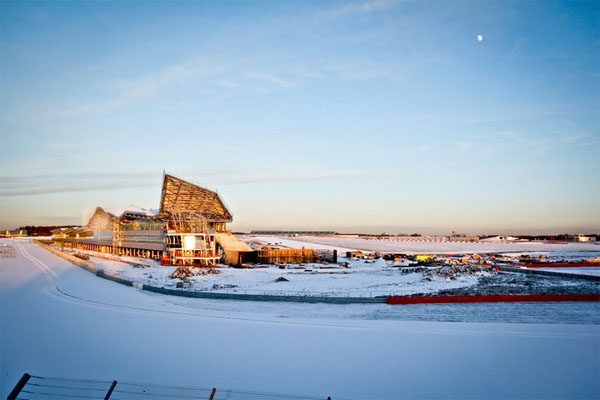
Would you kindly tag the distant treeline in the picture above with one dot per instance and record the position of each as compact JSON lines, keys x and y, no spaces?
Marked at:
{"x":42,"y":230}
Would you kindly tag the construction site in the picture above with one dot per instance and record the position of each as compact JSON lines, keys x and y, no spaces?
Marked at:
{"x":188,"y":229}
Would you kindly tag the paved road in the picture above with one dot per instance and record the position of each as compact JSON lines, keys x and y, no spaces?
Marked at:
{"x":60,"y":320}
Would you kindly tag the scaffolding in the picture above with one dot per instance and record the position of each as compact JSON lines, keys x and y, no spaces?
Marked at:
{"x":188,"y":222}
{"x":190,"y":241}
{"x":181,"y":197}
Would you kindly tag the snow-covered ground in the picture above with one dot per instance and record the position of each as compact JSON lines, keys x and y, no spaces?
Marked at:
{"x":343,"y":243}
{"x":360,"y":279}
{"x":59,"y":320}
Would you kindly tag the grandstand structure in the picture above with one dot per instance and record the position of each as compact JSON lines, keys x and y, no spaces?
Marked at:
{"x":189,"y":229}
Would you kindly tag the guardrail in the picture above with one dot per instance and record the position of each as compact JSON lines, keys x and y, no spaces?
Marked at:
{"x":40,"y":387}
{"x":505,"y":298}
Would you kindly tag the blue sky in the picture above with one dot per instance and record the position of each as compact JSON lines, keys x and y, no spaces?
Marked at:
{"x":369,"y":116}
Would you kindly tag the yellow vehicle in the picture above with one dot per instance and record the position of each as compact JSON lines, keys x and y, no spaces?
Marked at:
{"x":424,"y":257}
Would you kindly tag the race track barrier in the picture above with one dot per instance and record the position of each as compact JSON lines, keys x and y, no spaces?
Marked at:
{"x":85,"y":264}
{"x":505,"y":298}
{"x":265,"y":297}
{"x":579,"y":264}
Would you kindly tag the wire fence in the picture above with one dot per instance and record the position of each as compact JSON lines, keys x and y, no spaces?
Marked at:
{"x":33,"y":387}
{"x":295,"y":293}
{"x":262,"y":295}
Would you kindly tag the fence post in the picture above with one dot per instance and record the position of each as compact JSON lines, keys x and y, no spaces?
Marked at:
{"x":212,"y":394}
{"x":19,"y":386}
{"x":112,"y":387}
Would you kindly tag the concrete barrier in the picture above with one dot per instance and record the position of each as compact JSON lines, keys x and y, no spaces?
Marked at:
{"x":87,"y":265}
{"x":122,"y":281}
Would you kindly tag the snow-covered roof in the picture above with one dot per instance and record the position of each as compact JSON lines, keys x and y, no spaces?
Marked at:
{"x":118,"y":211}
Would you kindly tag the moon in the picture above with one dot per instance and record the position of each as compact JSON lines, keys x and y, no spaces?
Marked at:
{"x":479,"y":38}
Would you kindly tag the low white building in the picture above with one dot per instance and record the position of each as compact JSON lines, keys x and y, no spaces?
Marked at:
{"x":583,"y":238}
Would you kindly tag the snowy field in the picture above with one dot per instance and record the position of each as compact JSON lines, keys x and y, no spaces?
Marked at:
{"x":344,"y":244}
{"x":60,"y":320}
{"x":360,"y":279}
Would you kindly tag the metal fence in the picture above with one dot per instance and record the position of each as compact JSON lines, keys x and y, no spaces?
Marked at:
{"x":302,"y":297}
{"x":343,"y":293}
{"x":40,"y":387}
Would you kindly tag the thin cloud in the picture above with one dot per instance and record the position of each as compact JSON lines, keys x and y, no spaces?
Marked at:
{"x":69,"y":188}
{"x":229,"y":84}
{"x":520,"y":139}
{"x":300,"y":178}
{"x":12,"y":186}
{"x":464,"y":146}
{"x":272,"y":79}
{"x":354,"y":70}
{"x":28,"y":185}
{"x":357,"y":8}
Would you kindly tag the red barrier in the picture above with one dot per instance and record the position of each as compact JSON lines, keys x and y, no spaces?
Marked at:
{"x":560,"y":265}
{"x":504,"y":298}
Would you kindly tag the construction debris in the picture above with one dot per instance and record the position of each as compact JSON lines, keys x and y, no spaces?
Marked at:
{"x":223,"y":286}
{"x":186,"y":272}
{"x":451,"y":272}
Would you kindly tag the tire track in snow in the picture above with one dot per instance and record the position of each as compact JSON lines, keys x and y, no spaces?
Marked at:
{"x":55,"y":290}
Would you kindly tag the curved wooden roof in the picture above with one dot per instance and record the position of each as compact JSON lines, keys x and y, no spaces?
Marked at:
{"x":181,"y":196}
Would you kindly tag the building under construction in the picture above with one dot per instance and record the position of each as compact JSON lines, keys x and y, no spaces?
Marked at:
{"x":189,"y":228}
